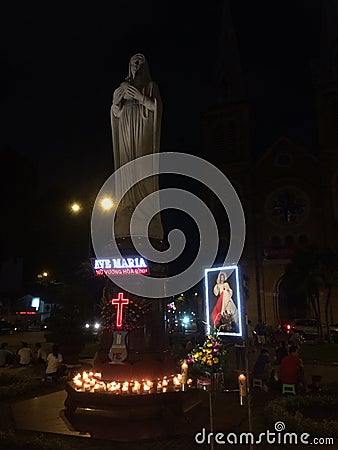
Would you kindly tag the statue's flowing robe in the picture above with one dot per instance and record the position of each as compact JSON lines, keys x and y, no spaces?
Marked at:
{"x":136,"y":131}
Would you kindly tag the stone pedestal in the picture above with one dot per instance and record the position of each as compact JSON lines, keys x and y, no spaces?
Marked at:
{"x":148,"y":345}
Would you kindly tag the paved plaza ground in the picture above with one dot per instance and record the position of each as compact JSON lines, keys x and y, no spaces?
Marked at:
{"x":45,"y":414}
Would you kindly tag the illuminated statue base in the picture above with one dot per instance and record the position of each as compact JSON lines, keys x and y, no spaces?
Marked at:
{"x":148,"y":408}
{"x":137,"y":366}
{"x":125,"y":407}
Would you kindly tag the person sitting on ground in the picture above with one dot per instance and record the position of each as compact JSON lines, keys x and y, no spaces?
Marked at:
{"x":54,"y":361}
{"x":262,"y":368}
{"x":292,"y":369}
{"x":5,"y":355}
{"x":25,"y":354}
{"x":40,"y":354}
{"x":281,"y":352}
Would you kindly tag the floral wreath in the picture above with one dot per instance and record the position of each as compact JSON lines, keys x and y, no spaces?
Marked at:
{"x":132,"y":313}
{"x":209,"y":357}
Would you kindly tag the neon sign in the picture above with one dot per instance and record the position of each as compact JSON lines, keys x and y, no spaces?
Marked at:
{"x":120,"y":266}
{"x":119,"y":302}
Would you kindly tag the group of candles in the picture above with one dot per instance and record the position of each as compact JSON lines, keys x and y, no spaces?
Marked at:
{"x":92,"y":382}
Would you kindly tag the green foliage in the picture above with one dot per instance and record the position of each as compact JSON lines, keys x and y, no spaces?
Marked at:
{"x":288,"y":410}
{"x":13,"y":386}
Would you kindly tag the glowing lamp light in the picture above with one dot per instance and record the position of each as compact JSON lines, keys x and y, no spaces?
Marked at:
{"x":75,"y":207}
{"x":106,"y":203}
{"x":185,"y":320}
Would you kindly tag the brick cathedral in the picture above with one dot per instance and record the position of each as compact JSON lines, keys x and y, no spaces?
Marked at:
{"x":289,"y":192}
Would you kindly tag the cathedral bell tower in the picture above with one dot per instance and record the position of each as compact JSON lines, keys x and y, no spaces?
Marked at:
{"x":327,"y":111}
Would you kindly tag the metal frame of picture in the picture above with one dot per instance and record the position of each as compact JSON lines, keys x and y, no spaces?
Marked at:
{"x":230,"y":323}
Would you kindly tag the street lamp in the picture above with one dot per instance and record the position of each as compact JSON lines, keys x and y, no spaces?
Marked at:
{"x":75,"y":207}
{"x":42,"y":275}
{"x":106,"y":204}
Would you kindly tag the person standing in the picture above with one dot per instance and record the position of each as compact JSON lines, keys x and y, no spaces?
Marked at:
{"x":260,"y":332}
{"x":251,"y":334}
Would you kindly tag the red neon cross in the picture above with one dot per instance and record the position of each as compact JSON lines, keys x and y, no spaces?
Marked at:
{"x":119,"y":302}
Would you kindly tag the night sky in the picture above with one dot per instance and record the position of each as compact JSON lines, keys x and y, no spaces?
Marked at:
{"x":61,"y":62}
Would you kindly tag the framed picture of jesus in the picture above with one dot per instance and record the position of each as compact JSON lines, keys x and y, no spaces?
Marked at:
{"x":223,"y":304}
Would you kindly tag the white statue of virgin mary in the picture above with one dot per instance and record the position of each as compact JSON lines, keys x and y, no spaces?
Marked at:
{"x":136,"y":115}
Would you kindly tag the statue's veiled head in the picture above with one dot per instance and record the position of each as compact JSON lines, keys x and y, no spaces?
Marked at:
{"x":139,"y":69}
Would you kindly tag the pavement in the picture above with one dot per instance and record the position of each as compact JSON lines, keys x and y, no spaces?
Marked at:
{"x":45,"y":413}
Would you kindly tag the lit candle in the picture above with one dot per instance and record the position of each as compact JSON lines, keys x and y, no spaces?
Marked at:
{"x":136,"y":388}
{"x":184,"y":369}
{"x":98,"y":375}
{"x":146,"y":387}
{"x":78,"y":384}
{"x":165,"y":383}
{"x":176,"y":382}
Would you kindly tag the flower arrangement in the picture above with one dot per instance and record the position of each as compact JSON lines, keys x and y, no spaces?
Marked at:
{"x":209,"y":357}
{"x":131,"y":317}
